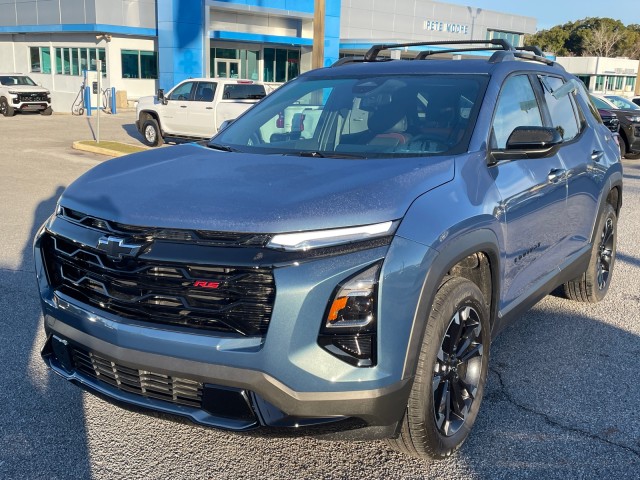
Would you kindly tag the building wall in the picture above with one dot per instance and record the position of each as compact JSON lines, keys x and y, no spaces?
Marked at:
{"x":423,"y":20}
{"x":131,"y":13}
{"x":15,"y":55}
{"x":605,"y":75}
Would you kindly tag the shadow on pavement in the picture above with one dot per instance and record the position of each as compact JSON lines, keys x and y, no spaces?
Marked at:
{"x":42,"y":429}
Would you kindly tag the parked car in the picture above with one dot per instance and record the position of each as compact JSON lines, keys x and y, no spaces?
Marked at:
{"x":19,"y":93}
{"x":610,"y":120}
{"x":628,"y":114}
{"x":194,"y":108}
{"x":349,"y":281}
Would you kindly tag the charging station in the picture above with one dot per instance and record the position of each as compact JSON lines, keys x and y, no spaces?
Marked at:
{"x":94,"y":92}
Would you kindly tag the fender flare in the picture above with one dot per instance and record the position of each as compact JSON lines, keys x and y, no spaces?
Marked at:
{"x":483,"y":240}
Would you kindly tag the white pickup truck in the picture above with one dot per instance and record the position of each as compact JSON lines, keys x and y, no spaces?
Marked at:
{"x":195,"y":108}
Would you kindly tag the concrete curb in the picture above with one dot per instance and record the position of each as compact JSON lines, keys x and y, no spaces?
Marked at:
{"x":103,"y":151}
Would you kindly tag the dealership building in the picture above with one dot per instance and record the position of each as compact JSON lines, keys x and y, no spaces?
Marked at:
{"x":150,"y":44}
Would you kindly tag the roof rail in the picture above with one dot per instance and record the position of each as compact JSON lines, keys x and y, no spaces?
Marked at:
{"x":345,"y":60}
{"x":502,"y":56}
{"x":373,"y":52}
{"x":532,"y":48}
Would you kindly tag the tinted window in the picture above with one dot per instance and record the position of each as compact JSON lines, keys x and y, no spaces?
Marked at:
{"x":601,"y":103}
{"x":205,"y":91}
{"x":243,"y":91}
{"x":621,"y":102}
{"x":517,"y":107}
{"x":182,"y":92}
{"x":561,"y":109}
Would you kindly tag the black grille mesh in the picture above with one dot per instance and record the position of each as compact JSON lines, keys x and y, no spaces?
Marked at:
{"x":180,"y":391}
{"x":217,"y":298}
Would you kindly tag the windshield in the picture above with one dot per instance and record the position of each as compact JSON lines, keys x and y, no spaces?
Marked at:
{"x":361,"y":117}
{"x":9,"y":80}
{"x":621,"y":102}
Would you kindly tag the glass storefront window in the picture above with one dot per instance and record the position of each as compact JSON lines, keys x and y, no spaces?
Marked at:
{"x":75,"y":64}
{"x":130,"y":64}
{"x":599,"y":83}
{"x":40,"y":59}
{"x":139,"y":64}
{"x":293,"y":64}
{"x":269,"y":55}
{"x":279,"y":64}
{"x":148,"y":64}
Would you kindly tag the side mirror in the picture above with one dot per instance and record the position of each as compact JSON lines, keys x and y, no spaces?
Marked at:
{"x":161,"y":97}
{"x":529,"y":142}
{"x":225,"y":124}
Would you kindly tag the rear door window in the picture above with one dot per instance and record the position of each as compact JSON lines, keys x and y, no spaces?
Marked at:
{"x":562,"y":110}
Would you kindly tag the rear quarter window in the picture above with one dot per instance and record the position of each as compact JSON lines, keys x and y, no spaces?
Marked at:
{"x":242,"y":91}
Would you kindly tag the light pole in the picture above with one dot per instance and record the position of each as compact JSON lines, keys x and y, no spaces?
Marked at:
{"x":473,"y":11}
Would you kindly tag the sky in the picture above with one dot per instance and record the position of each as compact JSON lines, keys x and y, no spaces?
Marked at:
{"x":556,"y":12}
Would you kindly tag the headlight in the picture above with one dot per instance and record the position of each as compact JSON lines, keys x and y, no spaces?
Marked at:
{"x":326,"y":238}
{"x":349,"y":329}
{"x":634,"y":118}
{"x":13,"y":92}
{"x":353,"y":304}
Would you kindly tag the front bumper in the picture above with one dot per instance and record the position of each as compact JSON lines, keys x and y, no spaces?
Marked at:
{"x":284,"y":378}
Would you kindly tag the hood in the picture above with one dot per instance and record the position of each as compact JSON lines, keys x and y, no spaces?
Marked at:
{"x":26,"y":88}
{"x":193,"y":187}
{"x":149,"y":100}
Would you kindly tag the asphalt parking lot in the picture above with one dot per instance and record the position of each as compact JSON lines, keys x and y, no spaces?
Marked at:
{"x":562,"y":399}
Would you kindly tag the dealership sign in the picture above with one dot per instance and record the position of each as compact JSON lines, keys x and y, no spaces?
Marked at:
{"x":436,"y":26}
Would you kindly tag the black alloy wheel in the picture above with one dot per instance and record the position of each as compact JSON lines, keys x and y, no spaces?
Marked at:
{"x":451,"y":373}
{"x":457,"y":371}
{"x":605,"y":253}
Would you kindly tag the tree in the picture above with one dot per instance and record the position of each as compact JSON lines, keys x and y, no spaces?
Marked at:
{"x":604,"y":37}
{"x":601,"y":41}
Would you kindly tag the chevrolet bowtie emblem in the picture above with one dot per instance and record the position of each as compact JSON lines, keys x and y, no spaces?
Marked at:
{"x":116,"y":247}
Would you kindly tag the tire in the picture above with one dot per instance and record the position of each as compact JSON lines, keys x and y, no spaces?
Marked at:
{"x":623,"y":148}
{"x":592,"y":285}
{"x":47,"y":111}
{"x":632,"y":156}
{"x":151,"y":134}
{"x":5,"y":108}
{"x":425,"y":431}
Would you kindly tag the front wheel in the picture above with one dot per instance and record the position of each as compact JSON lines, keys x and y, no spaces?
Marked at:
{"x":5,"y":108}
{"x":592,"y":285}
{"x":151,"y":133}
{"x":47,"y":111}
{"x":451,"y":373}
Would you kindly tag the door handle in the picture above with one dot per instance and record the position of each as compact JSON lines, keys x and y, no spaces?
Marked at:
{"x":556,"y":174}
{"x":209,"y":108}
{"x":596,"y":155}
{"x":183,"y":106}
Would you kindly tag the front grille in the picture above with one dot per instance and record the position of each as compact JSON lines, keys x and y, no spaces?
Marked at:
{"x":612,"y":123}
{"x":138,"y":233}
{"x":217,"y":298}
{"x":32,"y":97}
{"x":176,"y":390}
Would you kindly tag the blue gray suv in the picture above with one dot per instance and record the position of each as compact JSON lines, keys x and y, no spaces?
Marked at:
{"x":340,"y":257}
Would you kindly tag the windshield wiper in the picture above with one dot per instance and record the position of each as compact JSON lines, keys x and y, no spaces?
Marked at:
{"x":224,"y":148}
{"x":316,"y":154}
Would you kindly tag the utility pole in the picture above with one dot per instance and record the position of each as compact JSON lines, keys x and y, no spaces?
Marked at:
{"x":317,"y":56}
